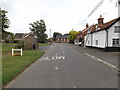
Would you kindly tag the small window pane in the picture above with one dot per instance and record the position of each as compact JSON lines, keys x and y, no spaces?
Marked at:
{"x":96,"y":42}
{"x":117,"y":29}
{"x":116,"y":42}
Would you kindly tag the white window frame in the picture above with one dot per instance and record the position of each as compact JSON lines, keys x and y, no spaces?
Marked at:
{"x":116,"y":29}
{"x":115,"y":41}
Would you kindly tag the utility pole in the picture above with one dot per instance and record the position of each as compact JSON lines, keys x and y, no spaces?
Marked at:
{"x":50,"y":38}
{"x":50,"y":33}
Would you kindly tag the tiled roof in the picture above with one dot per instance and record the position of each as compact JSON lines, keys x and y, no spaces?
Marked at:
{"x":20,"y":35}
{"x":61,"y":36}
{"x":101,"y":26}
{"x":108,"y":24}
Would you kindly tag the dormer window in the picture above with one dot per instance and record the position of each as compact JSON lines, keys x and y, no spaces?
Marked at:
{"x":117,"y":29}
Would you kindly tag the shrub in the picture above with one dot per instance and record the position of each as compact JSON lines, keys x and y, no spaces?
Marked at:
{"x":19,"y":46}
{"x":6,"y":41}
{"x":15,"y":41}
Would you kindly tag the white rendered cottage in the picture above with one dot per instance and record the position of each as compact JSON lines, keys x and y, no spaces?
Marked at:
{"x":104,"y":35}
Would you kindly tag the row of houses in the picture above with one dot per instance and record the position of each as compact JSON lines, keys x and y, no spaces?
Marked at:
{"x":62,"y":38}
{"x":102,"y":35}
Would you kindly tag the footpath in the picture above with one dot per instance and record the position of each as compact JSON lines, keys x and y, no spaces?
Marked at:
{"x":110,"y":57}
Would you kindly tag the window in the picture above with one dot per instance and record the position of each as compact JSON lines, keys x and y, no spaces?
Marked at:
{"x":117,"y":29}
{"x":96,"y":42}
{"x":116,"y":42}
{"x":88,"y":42}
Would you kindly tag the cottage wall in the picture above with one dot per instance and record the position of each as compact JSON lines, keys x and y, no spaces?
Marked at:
{"x":100,"y":38}
{"x":89,"y":40}
{"x":112,"y":35}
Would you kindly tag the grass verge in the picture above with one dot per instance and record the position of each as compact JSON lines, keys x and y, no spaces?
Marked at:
{"x":13,"y":65}
{"x":44,"y":44}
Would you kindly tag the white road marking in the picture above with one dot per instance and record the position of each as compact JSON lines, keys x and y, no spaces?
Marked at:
{"x":10,"y":84}
{"x":28,"y":69}
{"x":56,"y":68}
{"x":104,"y":62}
{"x":52,"y":58}
{"x":74,"y":87}
{"x":63,"y":52}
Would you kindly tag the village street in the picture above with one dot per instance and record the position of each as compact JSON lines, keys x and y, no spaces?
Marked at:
{"x":64,"y":66}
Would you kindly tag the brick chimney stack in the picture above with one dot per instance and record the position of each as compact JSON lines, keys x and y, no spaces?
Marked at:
{"x":100,"y":20}
{"x":87,"y":25}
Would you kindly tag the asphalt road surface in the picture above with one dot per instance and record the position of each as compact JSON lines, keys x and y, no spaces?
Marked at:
{"x":64,"y":67}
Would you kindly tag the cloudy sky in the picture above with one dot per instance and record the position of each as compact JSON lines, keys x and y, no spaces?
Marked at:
{"x":59,"y":15}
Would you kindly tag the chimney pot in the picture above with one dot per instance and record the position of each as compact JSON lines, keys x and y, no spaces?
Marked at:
{"x":100,"y":20}
{"x":87,"y":25}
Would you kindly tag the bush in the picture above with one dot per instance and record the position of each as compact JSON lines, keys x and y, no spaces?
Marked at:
{"x":19,"y":46}
{"x":6,"y":41}
{"x":15,"y":41}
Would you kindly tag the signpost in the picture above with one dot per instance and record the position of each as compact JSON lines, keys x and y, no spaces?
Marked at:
{"x":16,"y":52}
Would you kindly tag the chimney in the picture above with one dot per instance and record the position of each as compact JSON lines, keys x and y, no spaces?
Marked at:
{"x":87,"y":25}
{"x":100,"y":20}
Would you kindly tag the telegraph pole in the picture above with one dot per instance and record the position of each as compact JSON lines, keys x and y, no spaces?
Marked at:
{"x":50,"y":38}
{"x":50,"y":33}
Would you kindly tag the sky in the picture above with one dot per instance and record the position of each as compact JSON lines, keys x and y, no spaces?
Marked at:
{"x":59,"y":15}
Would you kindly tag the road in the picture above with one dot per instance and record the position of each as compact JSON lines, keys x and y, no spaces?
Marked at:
{"x":64,"y":67}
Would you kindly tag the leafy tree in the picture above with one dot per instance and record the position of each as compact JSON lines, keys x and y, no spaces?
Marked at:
{"x":55,"y":34}
{"x":72,"y":35}
{"x":4,"y":23}
{"x":39,"y":28}
{"x":5,"y":20}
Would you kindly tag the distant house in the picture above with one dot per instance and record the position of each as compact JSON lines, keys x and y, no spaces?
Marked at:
{"x":62,"y":39}
{"x":29,"y":40}
{"x":20,"y":36}
{"x":7,"y":38}
{"x":104,"y":35}
{"x":79,"y":39}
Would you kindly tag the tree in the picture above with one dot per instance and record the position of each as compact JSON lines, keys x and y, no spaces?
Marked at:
{"x":55,"y":34}
{"x":39,"y":28}
{"x":5,"y":20}
{"x":72,"y":35}
{"x":4,"y":23}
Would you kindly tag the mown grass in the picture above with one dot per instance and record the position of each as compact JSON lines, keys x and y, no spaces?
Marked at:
{"x":13,"y":65}
{"x":44,"y":44}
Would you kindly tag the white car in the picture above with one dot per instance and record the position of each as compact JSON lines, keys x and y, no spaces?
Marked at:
{"x":80,"y":43}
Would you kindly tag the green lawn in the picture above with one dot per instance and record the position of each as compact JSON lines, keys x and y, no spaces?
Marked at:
{"x":13,"y":65}
{"x":7,"y":47}
{"x":44,"y":44}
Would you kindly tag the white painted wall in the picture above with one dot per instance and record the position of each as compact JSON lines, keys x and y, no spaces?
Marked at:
{"x":111,"y":33}
{"x":88,"y":43}
{"x":101,"y":37}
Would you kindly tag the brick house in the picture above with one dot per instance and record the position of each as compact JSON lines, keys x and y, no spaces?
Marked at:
{"x":29,"y":40}
{"x":62,"y":39}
